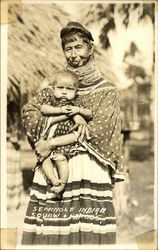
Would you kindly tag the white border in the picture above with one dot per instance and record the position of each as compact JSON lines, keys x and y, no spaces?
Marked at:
{"x":156,"y":122}
{"x":4,"y":29}
{"x":4,"y":52}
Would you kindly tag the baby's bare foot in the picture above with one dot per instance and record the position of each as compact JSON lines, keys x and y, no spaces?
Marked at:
{"x":59,"y":188}
{"x":55,"y":182}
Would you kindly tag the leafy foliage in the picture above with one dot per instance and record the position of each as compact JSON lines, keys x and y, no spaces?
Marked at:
{"x":136,"y":100}
{"x":148,"y":10}
{"x":124,"y":10}
{"x":103,"y":36}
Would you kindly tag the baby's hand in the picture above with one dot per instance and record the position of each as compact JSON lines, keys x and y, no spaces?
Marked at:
{"x":73,"y":110}
{"x":64,"y":110}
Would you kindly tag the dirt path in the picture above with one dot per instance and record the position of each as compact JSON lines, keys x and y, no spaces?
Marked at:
{"x":142,"y":191}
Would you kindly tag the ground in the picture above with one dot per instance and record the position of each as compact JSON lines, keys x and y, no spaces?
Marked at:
{"x":141,"y":197}
{"x":142,"y":190}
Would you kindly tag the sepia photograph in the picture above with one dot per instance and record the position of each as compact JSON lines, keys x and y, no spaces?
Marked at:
{"x":78,"y":122}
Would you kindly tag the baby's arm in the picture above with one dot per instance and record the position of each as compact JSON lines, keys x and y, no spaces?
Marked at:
{"x":50,"y":110}
{"x":74,"y":110}
{"x":57,"y":114}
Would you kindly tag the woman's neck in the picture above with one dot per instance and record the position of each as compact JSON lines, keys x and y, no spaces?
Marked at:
{"x":89,"y":75}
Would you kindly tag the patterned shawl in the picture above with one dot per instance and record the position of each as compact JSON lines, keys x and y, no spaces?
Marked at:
{"x":105,"y":126}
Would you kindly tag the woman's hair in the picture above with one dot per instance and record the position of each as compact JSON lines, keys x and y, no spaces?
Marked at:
{"x":71,"y":37}
{"x":66,"y":73}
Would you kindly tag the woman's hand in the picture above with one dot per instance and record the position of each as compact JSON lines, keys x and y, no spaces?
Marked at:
{"x":43,"y":148}
{"x":82,"y":126}
{"x":83,"y":133}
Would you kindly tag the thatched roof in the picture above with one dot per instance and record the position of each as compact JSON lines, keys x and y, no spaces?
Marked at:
{"x":34,"y":48}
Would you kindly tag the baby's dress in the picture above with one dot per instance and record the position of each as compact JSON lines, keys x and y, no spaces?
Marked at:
{"x":64,"y":128}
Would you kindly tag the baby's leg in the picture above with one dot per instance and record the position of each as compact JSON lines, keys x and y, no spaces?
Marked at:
{"x":63,"y":171}
{"x":48,"y":169}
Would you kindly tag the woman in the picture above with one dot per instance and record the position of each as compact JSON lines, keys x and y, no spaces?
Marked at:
{"x":84,"y":214}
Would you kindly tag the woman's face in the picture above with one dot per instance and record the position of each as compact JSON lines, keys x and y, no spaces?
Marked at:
{"x":77,"y":53}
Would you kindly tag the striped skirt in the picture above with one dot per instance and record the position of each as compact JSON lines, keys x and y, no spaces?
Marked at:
{"x":83,"y":214}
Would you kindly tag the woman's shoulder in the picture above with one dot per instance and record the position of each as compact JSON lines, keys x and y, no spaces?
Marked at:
{"x":107,"y":87}
{"x":112,"y":91}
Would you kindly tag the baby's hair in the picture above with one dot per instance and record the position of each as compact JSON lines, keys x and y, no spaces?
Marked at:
{"x":66,"y":73}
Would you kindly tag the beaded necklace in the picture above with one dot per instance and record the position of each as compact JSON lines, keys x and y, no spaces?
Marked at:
{"x":89,"y":77}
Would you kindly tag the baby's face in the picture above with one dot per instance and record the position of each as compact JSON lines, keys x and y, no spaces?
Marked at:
{"x":65,"y":88}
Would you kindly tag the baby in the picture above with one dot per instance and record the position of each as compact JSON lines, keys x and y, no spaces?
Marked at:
{"x":64,"y":101}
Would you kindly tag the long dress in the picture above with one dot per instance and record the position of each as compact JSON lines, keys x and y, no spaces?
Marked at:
{"x":84,"y":213}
